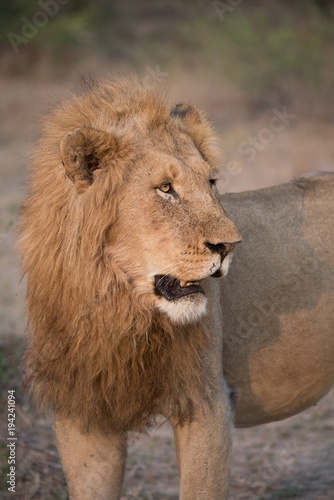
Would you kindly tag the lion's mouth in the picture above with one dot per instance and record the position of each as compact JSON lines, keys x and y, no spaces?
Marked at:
{"x":172,"y":288}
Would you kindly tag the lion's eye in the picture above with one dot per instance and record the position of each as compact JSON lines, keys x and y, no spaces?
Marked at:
{"x":166,"y":187}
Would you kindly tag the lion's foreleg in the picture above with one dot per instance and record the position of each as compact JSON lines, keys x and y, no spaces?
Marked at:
{"x":203,"y":450}
{"x":93,"y":463}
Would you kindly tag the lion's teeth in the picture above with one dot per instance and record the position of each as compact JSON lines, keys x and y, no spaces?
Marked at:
{"x":188,"y":283}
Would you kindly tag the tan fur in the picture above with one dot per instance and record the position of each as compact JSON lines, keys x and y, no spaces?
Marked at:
{"x":277,"y":301}
{"x":106,"y":353}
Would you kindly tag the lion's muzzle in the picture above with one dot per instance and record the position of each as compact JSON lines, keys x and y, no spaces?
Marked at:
{"x":172,"y":288}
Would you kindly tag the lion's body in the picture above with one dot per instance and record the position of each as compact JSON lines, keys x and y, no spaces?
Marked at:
{"x":122,"y":225}
{"x":278,"y":299}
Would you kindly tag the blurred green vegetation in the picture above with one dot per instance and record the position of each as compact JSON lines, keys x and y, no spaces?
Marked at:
{"x":260,"y":45}
{"x":73,"y":23}
{"x":260,"y":49}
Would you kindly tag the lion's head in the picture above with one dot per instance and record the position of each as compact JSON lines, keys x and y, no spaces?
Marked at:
{"x":122,"y":224}
{"x":157,"y":170}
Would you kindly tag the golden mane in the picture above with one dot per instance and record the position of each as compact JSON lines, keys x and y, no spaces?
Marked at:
{"x":95,"y":344}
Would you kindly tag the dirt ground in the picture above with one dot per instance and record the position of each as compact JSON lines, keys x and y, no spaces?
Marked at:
{"x":289,"y":459}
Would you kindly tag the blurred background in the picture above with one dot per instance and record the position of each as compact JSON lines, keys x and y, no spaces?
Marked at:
{"x":263,"y":70}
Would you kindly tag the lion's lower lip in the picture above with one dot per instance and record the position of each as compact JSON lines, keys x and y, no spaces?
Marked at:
{"x":170,"y":287}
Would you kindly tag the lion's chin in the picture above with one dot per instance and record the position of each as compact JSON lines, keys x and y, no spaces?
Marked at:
{"x":184,"y":310}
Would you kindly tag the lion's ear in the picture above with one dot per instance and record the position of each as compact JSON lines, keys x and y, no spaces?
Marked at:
{"x":84,"y":150}
{"x":187,"y":113}
{"x":199,"y":129}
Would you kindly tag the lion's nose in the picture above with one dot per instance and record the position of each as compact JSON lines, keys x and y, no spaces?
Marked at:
{"x":221,"y":248}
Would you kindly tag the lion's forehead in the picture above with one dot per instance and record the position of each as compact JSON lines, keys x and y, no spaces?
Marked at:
{"x":186,"y":165}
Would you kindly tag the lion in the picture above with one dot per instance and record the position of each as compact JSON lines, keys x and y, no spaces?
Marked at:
{"x":121,"y":231}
